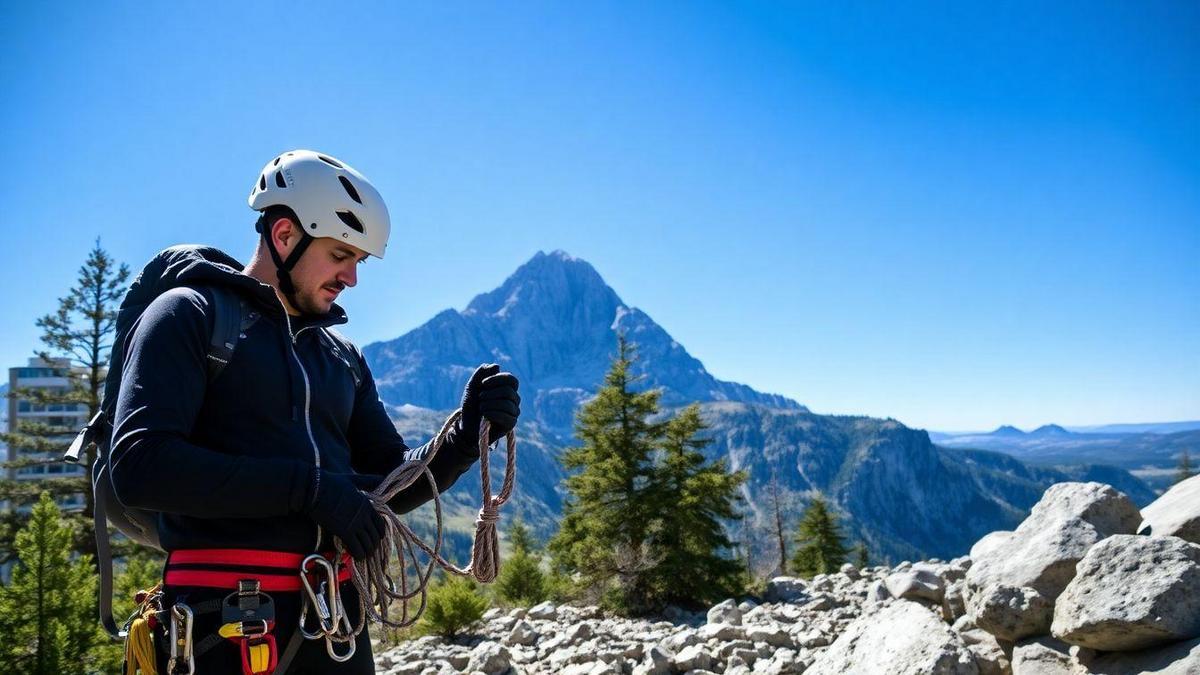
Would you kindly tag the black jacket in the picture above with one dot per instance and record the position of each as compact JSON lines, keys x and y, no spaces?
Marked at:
{"x":229,"y":464}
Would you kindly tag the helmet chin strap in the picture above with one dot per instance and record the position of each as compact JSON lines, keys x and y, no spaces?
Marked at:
{"x":283,"y":267}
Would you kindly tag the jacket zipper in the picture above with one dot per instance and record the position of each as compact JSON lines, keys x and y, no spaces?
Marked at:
{"x":307,"y":402}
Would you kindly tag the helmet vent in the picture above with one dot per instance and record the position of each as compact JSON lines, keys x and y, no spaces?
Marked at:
{"x":279,"y":179}
{"x":350,"y":189}
{"x":276,"y":162}
{"x":330,"y":162}
{"x":262,"y":182}
{"x":351,"y":220}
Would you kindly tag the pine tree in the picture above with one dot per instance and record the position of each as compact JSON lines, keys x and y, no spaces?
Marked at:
{"x":691,"y":498}
{"x":604,"y":532}
{"x":520,"y":537}
{"x":777,"y":508}
{"x":818,"y":542}
{"x":1184,"y":471}
{"x":81,"y":332}
{"x":521,"y":581}
{"x":47,"y":612}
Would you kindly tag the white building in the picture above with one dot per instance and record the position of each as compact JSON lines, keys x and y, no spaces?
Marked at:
{"x":52,"y":375}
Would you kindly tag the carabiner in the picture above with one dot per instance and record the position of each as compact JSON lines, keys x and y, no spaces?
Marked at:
{"x":328,"y":587}
{"x":348,"y":631}
{"x":181,"y":614}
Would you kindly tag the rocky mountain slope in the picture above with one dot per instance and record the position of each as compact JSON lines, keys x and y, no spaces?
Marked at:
{"x":1067,"y":592}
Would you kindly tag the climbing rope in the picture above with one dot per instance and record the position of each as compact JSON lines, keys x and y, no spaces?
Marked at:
{"x":377,"y":590}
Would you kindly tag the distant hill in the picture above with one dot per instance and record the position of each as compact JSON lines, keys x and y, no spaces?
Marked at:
{"x":1150,"y":455}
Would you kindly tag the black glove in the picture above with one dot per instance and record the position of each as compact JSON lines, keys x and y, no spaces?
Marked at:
{"x":493,"y":395}
{"x":341,"y":508}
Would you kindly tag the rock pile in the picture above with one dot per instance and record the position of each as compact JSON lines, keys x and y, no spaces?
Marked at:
{"x":1073,"y":590}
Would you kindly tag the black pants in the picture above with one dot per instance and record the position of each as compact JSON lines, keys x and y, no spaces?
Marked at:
{"x":225,"y":657}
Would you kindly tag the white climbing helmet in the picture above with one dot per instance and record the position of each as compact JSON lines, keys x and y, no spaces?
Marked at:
{"x":329,"y":197}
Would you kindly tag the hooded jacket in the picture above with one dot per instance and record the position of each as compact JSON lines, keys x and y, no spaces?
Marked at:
{"x":231,"y":463}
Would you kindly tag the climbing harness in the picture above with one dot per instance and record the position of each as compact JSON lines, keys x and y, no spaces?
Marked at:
{"x":372,"y":578}
{"x":247,"y":614}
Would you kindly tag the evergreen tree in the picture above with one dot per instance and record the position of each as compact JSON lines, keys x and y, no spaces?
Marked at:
{"x":777,"y":509}
{"x":81,"y":332}
{"x":604,"y":532}
{"x":521,"y":581}
{"x":1184,"y":471}
{"x":819,"y":547}
{"x":47,"y":611}
{"x":691,"y":498}
{"x":521,"y":538}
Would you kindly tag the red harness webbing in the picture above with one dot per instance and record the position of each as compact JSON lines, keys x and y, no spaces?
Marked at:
{"x":188,"y":568}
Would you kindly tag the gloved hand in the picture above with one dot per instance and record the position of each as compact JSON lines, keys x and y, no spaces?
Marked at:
{"x":493,"y":395}
{"x":341,"y":508}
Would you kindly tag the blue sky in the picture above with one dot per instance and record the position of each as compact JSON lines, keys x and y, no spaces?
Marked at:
{"x":955,"y":216}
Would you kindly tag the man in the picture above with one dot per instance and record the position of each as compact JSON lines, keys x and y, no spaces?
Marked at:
{"x":268,"y":462}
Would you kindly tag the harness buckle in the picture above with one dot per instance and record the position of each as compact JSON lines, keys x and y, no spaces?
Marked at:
{"x":248,"y":605}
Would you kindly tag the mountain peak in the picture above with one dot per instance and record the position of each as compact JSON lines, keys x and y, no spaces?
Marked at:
{"x":1050,"y":430}
{"x":554,"y":322}
{"x":547,"y":279}
{"x":1008,"y":430}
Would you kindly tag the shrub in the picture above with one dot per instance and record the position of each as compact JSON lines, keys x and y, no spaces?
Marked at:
{"x":521,"y":581}
{"x":454,"y":604}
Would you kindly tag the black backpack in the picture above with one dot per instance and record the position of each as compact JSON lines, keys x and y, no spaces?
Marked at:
{"x":170,"y":268}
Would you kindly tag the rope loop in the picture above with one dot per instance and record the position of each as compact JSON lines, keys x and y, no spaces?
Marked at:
{"x":377,"y":590}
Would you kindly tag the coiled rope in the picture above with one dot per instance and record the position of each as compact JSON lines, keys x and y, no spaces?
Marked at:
{"x":377,"y":590}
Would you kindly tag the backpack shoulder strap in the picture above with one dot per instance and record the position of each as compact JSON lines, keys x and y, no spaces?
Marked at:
{"x":229,"y":315}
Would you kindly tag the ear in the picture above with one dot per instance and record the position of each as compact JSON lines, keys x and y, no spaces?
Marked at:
{"x":285,"y":235}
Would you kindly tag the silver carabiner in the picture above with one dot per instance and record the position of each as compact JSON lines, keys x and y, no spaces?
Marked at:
{"x":326,"y":621}
{"x":347,"y":630}
{"x":181,"y":614}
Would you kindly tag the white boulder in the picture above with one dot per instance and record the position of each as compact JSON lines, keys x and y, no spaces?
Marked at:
{"x":1176,"y":513}
{"x":1011,"y":587}
{"x":726,"y":612}
{"x":1132,"y":592}
{"x":903,"y":637}
{"x":785,"y":589}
